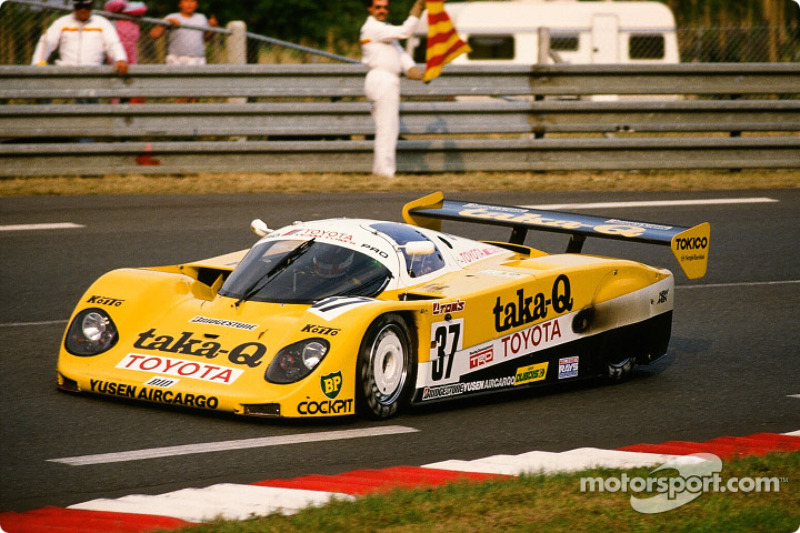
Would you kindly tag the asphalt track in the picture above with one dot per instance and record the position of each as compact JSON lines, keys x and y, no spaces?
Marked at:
{"x":732,"y":368}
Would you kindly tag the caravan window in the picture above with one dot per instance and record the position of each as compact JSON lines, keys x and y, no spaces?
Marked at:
{"x":564,"y":42}
{"x":646,"y":46}
{"x":491,"y":46}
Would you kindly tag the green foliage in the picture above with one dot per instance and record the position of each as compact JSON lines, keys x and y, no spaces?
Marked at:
{"x":311,"y":22}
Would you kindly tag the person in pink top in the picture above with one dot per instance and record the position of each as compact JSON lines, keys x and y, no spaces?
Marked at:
{"x":128,"y":30}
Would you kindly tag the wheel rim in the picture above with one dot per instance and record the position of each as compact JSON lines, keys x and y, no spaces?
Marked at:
{"x":388,"y":365}
{"x":621,"y":368}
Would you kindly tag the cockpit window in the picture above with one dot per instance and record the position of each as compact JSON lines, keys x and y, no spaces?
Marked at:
{"x":304,"y":271}
{"x":401,"y":234}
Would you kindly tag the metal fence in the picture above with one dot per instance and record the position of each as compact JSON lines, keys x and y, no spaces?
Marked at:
{"x":23,"y":21}
{"x":313,"y":118}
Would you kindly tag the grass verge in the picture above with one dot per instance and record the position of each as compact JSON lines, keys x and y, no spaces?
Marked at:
{"x":551,"y":503}
{"x":690,"y":180}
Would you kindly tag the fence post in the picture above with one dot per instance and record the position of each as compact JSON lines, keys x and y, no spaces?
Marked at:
{"x":236,"y":51}
{"x":236,"y":43}
{"x":544,"y":45}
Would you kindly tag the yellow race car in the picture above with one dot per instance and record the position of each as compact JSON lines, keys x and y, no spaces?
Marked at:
{"x":344,"y":316}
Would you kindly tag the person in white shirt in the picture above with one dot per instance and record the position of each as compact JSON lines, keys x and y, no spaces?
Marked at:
{"x":82,"y":39}
{"x":187,"y":46}
{"x":386,"y":60}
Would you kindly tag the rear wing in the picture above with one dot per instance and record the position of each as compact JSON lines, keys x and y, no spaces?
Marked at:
{"x":689,"y":245}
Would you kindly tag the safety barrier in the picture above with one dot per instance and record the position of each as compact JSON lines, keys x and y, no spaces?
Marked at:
{"x":313,"y":118}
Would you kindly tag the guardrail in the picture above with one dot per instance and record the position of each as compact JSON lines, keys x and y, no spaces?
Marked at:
{"x":312,"y":118}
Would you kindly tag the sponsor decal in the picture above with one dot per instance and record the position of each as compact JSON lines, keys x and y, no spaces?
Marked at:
{"x":223,"y":323}
{"x":698,"y":245}
{"x":331,"y":384}
{"x":529,"y":309}
{"x":481,"y":358}
{"x":646,"y":225}
{"x":568,"y":367}
{"x":156,"y":364}
{"x":446,"y":341}
{"x":330,"y":308}
{"x":450,"y":307}
{"x":445,"y":391}
{"x":322,"y":234}
{"x":320,"y":330}
{"x":526,"y":340}
{"x":248,"y":354}
{"x":663,"y":297}
{"x":476,"y":254}
{"x":523,"y":216}
{"x":154,"y":395}
{"x":161,"y":381}
{"x":441,"y":391}
{"x":328,"y":407}
{"x":691,"y":243}
{"x":376,"y":251}
{"x":433,"y":287}
{"x":488,"y":384}
{"x":532,"y":373}
{"x":104,"y":300}
{"x":505,"y":274}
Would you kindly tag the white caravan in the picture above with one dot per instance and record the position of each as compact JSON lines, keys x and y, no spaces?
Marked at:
{"x":579,"y":32}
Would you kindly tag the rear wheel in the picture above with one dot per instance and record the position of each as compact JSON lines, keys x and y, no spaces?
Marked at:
{"x":385,"y":368}
{"x":619,"y":368}
{"x":619,"y":355}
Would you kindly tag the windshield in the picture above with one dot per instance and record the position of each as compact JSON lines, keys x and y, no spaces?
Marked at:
{"x":302,"y":271}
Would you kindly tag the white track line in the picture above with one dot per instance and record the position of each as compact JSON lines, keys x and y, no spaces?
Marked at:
{"x":207,"y":447}
{"x":740,"y":284}
{"x":30,"y":227}
{"x":26,"y":324}
{"x":654,"y":203}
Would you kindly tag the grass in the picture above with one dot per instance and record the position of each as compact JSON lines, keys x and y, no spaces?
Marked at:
{"x":690,"y":180}
{"x":551,"y":503}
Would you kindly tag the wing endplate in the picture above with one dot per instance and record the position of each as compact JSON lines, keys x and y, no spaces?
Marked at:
{"x":690,"y":248}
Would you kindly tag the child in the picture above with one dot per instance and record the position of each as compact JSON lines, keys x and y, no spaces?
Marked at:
{"x":186,"y":46}
{"x":128,"y":30}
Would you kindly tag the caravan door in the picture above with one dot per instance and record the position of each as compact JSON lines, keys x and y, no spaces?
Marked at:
{"x":605,"y":39}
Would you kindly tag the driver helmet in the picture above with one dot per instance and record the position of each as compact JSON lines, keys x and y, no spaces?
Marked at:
{"x":333,"y":262}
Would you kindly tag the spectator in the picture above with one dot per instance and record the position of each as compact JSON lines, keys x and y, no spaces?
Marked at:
{"x":128,"y":30}
{"x":186,"y":46}
{"x":81,"y":39}
{"x":386,"y":60}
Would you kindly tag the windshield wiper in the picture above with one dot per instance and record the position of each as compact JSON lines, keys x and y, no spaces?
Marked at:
{"x":279,"y":267}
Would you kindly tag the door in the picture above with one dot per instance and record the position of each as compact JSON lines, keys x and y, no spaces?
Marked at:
{"x":605,"y":39}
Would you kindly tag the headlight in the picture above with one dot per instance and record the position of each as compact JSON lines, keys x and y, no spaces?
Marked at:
{"x":91,"y":333}
{"x":296,"y":361}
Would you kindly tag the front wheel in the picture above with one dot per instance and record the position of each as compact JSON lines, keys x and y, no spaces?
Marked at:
{"x":385,"y":368}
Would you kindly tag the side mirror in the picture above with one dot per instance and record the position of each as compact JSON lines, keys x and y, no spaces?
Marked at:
{"x":260,"y":228}
{"x":419,"y":248}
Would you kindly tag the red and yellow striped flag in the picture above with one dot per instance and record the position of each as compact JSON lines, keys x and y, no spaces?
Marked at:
{"x":444,"y":44}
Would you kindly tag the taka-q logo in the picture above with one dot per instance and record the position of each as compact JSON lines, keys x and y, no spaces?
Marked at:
{"x":331,"y":384}
{"x":526,"y":309}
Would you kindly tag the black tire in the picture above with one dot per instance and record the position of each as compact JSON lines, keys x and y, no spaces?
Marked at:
{"x":386,"y":368}
{"x":619,"y":368}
